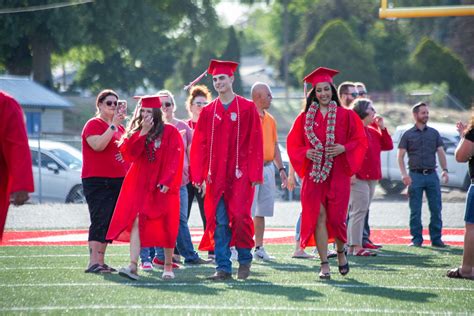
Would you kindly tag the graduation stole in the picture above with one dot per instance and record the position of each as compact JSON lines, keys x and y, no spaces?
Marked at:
{"x":319,"y":172}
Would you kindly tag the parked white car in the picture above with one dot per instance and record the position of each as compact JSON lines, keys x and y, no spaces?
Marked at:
{"x":60,"y":172}
{"x":458,"y":172}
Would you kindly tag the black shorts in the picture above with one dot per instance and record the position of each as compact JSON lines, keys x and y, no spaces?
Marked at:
{"x":101,"y":196}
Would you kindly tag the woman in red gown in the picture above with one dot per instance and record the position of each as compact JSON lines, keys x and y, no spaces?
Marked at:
{"x":147,"y":211}
{"x":326,"y":146}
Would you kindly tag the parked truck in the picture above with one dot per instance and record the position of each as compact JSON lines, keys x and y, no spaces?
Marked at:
{"x":391,"y":180}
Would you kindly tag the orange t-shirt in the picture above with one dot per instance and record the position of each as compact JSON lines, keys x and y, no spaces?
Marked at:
{"x":270,"y":139}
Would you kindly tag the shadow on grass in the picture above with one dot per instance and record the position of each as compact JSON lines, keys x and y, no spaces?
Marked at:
{"x":290,"y":267}
{"x":353,"y":286}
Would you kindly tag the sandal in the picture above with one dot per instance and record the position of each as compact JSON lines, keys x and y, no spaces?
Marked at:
{"x":324,"y":275}
{"x":109,"y":268}
{"x":344,"y":269}
{"x":364,"y":253}
{"x":168,"y":275}
{"x":456,"y":274}
{"x":95,"y":268}
{"x":302,"y":255}
{"x":128,"y":273}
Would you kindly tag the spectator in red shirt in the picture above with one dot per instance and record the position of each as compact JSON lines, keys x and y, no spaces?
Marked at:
{"x":103,"y":172}
{"x":364,"y":181}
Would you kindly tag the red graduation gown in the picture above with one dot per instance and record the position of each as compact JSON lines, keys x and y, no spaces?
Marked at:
{"x":158,"y":213}
{"x":237,"y":192}
{"x":15,"y":158}
{"x":334,"y":192}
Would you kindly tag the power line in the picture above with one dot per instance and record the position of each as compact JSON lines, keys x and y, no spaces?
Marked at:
{"x":44,"y":7}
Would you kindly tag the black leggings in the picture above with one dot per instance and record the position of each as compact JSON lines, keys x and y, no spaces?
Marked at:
{"x":193,"y":192}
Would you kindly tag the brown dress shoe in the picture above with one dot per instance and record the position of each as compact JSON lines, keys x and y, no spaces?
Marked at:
{"x":220,"y":276}
{"x":244,"y":271}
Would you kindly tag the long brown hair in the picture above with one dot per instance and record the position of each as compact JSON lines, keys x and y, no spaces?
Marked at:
{"x":135,"y":125}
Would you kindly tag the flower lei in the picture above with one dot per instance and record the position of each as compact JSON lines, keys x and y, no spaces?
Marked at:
{"x":320,"y":173}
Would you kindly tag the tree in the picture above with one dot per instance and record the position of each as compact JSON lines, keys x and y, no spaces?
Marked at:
{"x":336,"y":47}
{"x":232,"y":52}
{"x":435,"y":63}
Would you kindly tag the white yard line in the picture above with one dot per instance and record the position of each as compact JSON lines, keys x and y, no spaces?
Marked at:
{"x":235,"y":284}
{"x":203,"y":308}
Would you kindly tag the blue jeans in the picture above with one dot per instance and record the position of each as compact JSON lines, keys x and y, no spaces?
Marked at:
{"x":222,"y":237}
{"x":430,"y":184}
{"x":146,"y":254}
{"x":183,"y":242}
{"x":298,"y":229}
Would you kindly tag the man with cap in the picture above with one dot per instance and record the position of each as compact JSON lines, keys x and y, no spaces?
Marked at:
{"x":16,"y":175}
{"x":227,"y":161}
{"x":326,"y":146}
{"x":264,"y":199}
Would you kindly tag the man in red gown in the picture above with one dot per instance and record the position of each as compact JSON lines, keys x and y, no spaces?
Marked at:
{"x":227,"y":161}
{"x":16,"y":175}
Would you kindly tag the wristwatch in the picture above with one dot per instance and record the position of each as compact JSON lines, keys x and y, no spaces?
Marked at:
{"x":445,"y":170}
{"x":112,"y":127}
{"x":282,"y":169}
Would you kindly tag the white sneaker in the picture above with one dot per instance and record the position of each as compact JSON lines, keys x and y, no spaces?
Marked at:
{"x":234,"y":255}
{"x":128,"y":273}
{"x":146,"y":266}
{"x":261,"y":254}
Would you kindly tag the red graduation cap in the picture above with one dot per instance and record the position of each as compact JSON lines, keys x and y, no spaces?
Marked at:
{"x":320,"y":74}
{"x":149,"y":101}
{"x":216,"y":67}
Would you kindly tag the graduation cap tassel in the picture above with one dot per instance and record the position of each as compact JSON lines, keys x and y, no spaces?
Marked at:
{"x":304,"y":89}
{"x":192,"y":83}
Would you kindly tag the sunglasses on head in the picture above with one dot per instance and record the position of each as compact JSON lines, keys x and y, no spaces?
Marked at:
{"x":167,"y":104}
{"x":109,"y":103}
{"x":200,"y":103}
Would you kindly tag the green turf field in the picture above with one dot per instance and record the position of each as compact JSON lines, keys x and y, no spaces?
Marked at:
{"x":402,"y":280}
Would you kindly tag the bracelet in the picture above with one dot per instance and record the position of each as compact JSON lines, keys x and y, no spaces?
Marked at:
{"x":282,"y":169}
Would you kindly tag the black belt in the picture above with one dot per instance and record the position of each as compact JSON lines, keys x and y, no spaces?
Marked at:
{"x":423,"y":171}
{"x":267,"y":163}
{"x":472,"y":181}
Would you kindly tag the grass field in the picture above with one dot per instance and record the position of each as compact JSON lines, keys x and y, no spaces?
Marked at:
{"x":401,"y":280}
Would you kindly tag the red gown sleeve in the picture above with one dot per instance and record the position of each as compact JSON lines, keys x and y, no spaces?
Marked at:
{"x":132,"y":148}
{"x":386,"y":141}
{"x":297,"y":147}
{"x":356,"y":145}
{"x":15,"y":149}
{"x":255,"y":161}
{"x":200,"y":149}
{"x":174,"y":156}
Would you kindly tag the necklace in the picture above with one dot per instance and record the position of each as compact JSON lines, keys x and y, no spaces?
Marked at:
{"x":319,"y":172}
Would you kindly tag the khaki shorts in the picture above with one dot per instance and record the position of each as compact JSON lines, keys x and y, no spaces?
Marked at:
{"x":264,"y":198}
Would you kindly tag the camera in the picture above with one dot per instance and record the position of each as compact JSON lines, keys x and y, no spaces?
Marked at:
{"x":122,"y":107}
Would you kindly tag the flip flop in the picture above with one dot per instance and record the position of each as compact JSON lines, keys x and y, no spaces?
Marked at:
{"x":95,"y":268}
{"x":364,"y":253}
{"x":456,"y":274}
{"x":303,"y":255}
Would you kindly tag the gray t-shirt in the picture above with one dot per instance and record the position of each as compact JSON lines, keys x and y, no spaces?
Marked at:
{"x":421,"y":147}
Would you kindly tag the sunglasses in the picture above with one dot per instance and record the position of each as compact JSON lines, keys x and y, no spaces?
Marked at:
{"x":361,"y":93}
{"x":109,"y":103}
{"x":200,"y":103}
{"x":353,"y":94}
{"x":167,"y":104}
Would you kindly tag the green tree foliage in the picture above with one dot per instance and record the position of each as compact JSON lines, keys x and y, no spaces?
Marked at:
{"x":432,"y":62}
{"x":28,"y":39}
{"x":232,"y":52}
{"x":336,"y":47}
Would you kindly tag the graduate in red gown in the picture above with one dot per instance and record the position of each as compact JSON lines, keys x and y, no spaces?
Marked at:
{"x":147,"y":210}
{"x":326,"y":146}
{"x":227,"y":159}
{"x":16,"y":175}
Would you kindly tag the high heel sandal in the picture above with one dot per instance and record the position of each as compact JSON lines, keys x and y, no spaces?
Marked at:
{"x":324,"y":275}
{"x":344,"y":269}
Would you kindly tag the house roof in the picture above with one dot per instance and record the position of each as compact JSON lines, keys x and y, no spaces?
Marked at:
{"x":30,"y":94}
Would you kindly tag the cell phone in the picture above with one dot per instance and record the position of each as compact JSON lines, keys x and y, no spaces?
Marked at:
{"x":122,"y":107}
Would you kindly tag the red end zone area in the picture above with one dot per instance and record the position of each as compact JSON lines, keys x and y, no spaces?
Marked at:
{"x":454,"y":237}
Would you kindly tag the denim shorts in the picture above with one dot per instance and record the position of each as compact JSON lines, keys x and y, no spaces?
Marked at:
{"x":469,"y":216}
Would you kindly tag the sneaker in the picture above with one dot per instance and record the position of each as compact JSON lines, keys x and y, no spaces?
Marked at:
{"x":415,"y":244}
{"x":157,"y":263}
{"x":146,"y":266}
{"x":198,"y":261}
{"x":438,"y":244}
{"x":234,"y":255}
{"x":371,"y":246}
{"x":261,"y":254}
{"x":128,"y":273}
